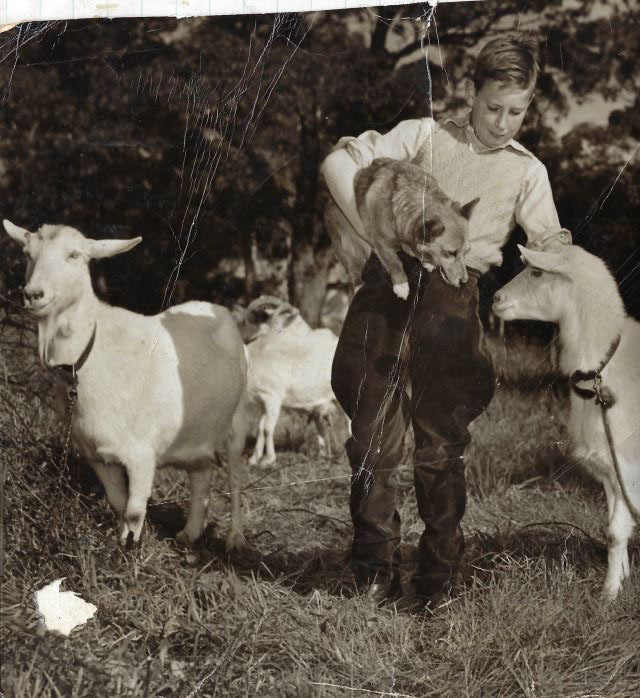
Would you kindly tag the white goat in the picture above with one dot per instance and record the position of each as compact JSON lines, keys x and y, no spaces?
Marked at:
{"x":576,"y":290}
{"x":154,"y":390}
{"x":334,"y":309}
{"x":289,"y":366}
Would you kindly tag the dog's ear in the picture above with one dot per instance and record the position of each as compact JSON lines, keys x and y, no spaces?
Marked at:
{"x":465,"y":211}
{"x":434,"y":227}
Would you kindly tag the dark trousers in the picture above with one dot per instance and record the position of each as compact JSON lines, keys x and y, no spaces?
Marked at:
{"x":433,"y":341}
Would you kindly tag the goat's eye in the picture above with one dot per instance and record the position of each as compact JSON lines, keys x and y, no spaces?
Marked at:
{"x":536,"y":272}
{"x":451,"y":253}
{"x":74,"y":254}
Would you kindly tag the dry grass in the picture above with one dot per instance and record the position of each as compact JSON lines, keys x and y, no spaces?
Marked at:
{"x":281,"y":618}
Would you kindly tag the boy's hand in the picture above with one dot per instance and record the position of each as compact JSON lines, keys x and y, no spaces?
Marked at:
{"x":401,"y":290}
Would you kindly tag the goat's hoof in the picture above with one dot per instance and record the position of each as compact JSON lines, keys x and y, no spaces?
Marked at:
{"x":184,"y":538}
{"x":193,"y":558}
{"x":235,"y":541}
{"x":129,"y":541}
{"x":253,"y":460}
{"x":609,"y":594}
{"x":267,"y":460}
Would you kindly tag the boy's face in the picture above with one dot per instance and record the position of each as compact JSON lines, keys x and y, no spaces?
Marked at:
{"x":498,"y":110}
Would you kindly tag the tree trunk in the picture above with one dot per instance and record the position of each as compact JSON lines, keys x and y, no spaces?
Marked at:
{"x":379,"y":36}
{"x":310,"y":256}
{"x":309,"y":273}
{"x":248,"y":245}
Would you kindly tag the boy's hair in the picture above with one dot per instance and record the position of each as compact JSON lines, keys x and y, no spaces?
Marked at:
{"x":511,"y":59}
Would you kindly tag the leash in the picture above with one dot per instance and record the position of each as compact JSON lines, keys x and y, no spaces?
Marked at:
{"x":607,"y":428}
{"x":69,"y":374}
{"x":72,"y":398}
{"x":605,"y":398}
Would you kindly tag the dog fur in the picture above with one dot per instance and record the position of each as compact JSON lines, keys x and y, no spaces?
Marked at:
{"x":403,"y":208}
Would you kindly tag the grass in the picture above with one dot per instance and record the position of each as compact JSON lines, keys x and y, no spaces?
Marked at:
{"x":281,"y":617}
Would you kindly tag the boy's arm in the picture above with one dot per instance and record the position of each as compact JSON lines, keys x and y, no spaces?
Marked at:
{"x":536,"y":212}
{"x":351,"y":154}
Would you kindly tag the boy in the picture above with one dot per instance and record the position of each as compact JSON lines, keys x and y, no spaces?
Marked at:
{"x":434,"y":338}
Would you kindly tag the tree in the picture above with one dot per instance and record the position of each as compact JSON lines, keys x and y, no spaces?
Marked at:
{"x":206,"y":135}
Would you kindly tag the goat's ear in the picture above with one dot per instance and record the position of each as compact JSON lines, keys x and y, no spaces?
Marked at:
{"x":17,"y":233}
{"x":548,"y":261}
{"x":466,"y":210}
{"x":108,"y":248}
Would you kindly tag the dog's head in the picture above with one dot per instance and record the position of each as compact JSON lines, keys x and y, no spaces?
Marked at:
{"x":440,"y":238}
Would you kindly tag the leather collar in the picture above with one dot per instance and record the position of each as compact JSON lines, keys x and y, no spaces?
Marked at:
{"x":69,"y":371}
{"x":594,"y":375}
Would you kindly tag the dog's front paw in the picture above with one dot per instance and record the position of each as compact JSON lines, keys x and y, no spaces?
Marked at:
{"x":401,"y":290}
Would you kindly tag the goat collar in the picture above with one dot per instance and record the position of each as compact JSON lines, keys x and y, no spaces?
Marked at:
{"x":69,"y":371}
{"x":602,"y":395}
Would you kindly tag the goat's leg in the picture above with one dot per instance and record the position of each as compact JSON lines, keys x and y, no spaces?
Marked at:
{"x":259,"y":447}
{"x":238,"y":437}
{"x":272,"y":412}
{"x":111,"y":475}
{"x":611,"y":500}
{"x":141,"y":475}
{"x":200,"y":480}
{"x":321,"y":420}
{"x":620,"y":529}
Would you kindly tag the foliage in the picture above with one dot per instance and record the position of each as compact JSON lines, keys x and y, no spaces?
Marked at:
{"x":206,"y":134}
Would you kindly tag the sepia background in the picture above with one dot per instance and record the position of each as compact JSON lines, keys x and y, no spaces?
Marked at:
{"x":205,"y":137}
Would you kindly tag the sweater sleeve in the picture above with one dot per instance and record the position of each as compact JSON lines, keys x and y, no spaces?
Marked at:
{"x":536,"y":211}
{"x":350,"y":154}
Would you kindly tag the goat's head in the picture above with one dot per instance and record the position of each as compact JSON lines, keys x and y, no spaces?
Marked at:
{"x":267,"y":314}
{"x":539,"y":292}
{"x":58,"y":264}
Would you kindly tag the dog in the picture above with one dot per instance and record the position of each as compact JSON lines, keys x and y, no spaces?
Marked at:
{"x":403,"y":208}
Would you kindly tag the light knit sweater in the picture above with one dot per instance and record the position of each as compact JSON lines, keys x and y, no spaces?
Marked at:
{"x":512,"y":184}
